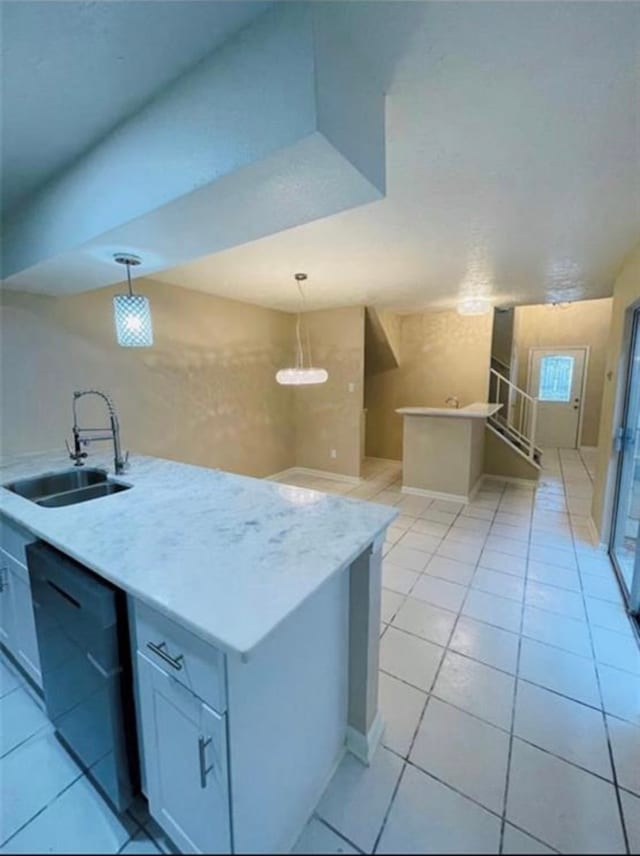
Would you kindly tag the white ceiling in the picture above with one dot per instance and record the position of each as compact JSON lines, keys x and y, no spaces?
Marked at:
{"x":513,"y":141}
{"x":71,"y":71}
{"x":513,"y":164}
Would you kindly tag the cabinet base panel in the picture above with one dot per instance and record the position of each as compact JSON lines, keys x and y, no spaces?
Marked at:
{"x":363,"y":746}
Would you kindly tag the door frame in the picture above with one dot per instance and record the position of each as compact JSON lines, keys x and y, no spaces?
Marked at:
{"x":585,"y":372}
{"x":623,"y":394}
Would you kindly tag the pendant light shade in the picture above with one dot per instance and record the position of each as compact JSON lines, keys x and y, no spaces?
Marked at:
{"x":132,"y":312}
{"x":301,"y":374}
{"x":300,"y":377}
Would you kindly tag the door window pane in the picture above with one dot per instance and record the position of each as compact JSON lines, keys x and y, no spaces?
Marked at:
{"x":556,"y":374}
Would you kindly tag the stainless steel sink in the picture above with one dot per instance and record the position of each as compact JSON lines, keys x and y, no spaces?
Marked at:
{"x":69,"y":487}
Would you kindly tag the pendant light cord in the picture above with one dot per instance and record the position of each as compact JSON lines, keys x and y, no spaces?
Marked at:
{"x":300,"y":350}
{"x":128,"y":267}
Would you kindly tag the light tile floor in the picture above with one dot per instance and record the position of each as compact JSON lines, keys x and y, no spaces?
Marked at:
{"x":510,"y":686}
{"x":47,"y":805}
{"x":510,"y":679}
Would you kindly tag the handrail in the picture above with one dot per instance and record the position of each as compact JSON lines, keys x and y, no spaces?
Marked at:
{"x":526,"y":407}
{"x":506,"y":380}
{"x":503,"y":422}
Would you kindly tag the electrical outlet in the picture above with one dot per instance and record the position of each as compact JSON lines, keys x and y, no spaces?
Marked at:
{"x":334,"y":453}
{"x":352,"y":387}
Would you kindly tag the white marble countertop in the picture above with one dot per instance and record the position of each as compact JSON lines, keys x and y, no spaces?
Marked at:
{"x":227,"y":556}
{"x":477,"y":410}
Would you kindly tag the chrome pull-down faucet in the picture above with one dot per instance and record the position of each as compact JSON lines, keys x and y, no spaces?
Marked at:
{"x":83,"y":436}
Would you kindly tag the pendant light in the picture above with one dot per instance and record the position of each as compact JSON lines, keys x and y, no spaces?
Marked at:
{"x":131,"y":312}
{"x":301,"y":375}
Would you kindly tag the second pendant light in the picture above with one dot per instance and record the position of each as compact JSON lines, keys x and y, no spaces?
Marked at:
{"x":301,"y":374}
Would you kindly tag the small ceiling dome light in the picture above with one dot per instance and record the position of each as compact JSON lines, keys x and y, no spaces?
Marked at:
{"x":301,"y":375}
{"x":131,"y":312}
{"x":474,"y":306}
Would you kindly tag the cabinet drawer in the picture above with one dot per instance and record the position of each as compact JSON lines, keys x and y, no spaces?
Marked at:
{"x":188,"y":659}
{"x":13,"y":539}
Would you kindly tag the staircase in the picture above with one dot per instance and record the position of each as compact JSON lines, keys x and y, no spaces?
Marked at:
{"x":515,"y":423}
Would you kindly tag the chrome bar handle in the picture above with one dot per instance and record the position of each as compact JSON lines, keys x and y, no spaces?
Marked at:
{"x":203,"y":742}
{"x":160,"y":650}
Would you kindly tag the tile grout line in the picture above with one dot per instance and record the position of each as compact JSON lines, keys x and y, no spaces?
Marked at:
{"x":545,"y":526}
{"x":515,"y":686}
{"x":456,"y":790}
{"x":419,"y":573}
{"x":506,"y":731}
{"x":40,"y":811}
{"x":427,"y":700}
{"x":603,"y":711}
{"x":338,"y":833}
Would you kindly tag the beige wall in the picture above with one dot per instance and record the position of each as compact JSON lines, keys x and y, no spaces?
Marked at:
{"x":625,"y":293}
{"x":585,"y":322}
{"x":204,"y":394}
{"x":441,"y":354}
{"x":328,"y":417}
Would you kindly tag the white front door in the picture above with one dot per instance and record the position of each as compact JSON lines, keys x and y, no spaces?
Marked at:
{"x":556,"y":377}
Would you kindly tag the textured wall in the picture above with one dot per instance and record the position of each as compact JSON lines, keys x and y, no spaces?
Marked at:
{"x":583,"y":323}
{"x":626,"y":292}
{"x":441,"y":354}
{"x":204,"y":394}
{"x":328,"y":417}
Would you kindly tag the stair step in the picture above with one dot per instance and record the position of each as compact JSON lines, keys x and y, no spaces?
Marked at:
{"x":501,"y":427}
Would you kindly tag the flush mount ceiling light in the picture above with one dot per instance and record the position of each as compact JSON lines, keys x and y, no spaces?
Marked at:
{"x":474,"y":306}
{"x":301,"y":375}
{"x":131,"y":312}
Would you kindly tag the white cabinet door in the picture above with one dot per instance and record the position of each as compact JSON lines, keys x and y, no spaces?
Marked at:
{"x":24,"y":643}
{"x":185,"y":752}
{"x":6,"y":613}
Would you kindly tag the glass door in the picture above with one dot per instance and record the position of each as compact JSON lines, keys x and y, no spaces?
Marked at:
{"x":626,"y":522}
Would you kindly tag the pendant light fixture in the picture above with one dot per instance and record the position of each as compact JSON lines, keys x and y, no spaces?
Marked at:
{"x":131,"y":312}
{"x":301,"y":375}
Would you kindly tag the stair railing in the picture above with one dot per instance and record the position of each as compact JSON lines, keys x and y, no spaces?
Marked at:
{"x":519,"y":413}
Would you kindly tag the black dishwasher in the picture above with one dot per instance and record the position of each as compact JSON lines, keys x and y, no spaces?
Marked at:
{"x":83,"y":639}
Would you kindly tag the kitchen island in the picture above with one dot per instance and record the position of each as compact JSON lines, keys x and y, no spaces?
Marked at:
{"x":267,"y":595}
{"x":443,"y":450}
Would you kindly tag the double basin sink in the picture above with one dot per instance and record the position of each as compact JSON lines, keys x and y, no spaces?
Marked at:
{"x":53,"y":490}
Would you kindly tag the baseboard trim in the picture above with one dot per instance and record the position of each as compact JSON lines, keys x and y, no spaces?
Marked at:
{"x":436,"y":494}
{"x":474,"y":490}
{"x":319,"y":474}
{"x":595,"y":535}
{"x":363,"y":746}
